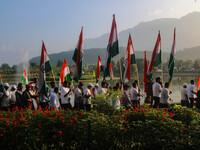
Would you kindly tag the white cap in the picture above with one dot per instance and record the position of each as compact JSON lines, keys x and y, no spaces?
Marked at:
{"x":90,"y":84}
{"x":96,"y":85}
{"x":32,"y":85}
{"x":13,"y":87}
{"x":185,"y":84}
{"x":6,"y":84}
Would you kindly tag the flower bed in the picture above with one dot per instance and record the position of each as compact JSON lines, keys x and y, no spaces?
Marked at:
{"x":144,"y":128}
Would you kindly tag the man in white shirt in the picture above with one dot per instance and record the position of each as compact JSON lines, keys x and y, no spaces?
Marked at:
{"x":134,"y":95}
{"x":88,"y":96}
{"x":66,"y":93}
{"x":54,"y":101}
{"x":78,"y":96}
{"x":184,"y":96}
{"x":103,"y":89}
{"x":156,"y":92}
{"x":12,"y":97}
{"x":5,"y":103}
{"x":51,"y":89}
{"x":165,"y":94}
{"x":190,"y":93}
{"x":95,"y":89}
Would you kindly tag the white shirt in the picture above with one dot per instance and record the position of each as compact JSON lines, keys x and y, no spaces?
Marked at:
{"x":134,"y":94}
{"x":54,"y":101}
{"x":164,"y":96}
{"x":12,"y":96}
{"x":156,"y":89}
{"x":95,"y":90}
{"x":51,"y":90}
{"x":87,"y":92}
{"x":102,"y":90}
{"x":184,"y":94}
{"x":77,"y":94}
{"x":6,"y":99}
{"x":65,"y":100}
{"x":189,"y":91}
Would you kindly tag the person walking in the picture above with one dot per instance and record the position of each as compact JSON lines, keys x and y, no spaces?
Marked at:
{"x":134,"y":95}
{"x":78,"y":96}
{"x":87,"y":97}
{"x":19,"y":96}
{"x":190,"y":93}
{"x":184,"y":96}
{"x":27,"y":99}
{"x":165,"y":94}
{"x":103,"y":88}
{"x":156,"y":92}
{"x":5,"y":103}
{"x":54,"y":100}
{"x":66,"y":93}
{"x":125,"y":101}
{"x":13,"y":97}
{"x":95,"y":89}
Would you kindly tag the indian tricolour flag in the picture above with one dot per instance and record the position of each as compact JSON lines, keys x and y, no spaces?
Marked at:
{"x":172,"y":57}
{"x":112,"y":48}
{"x":98,"y":69}
{"x":45,"y":66}
{"x":65,"y":73}
{"x":155,"y":58}
{"x":129,"y":59}
{"x":78,"y":58}
{"x":24,"y":78}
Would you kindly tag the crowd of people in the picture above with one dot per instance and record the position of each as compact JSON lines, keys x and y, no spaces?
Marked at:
{"x":59,"y":98}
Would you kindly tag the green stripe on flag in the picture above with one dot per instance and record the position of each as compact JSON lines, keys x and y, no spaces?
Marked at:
{"x":75,"y":55}
{"x":158,"y":59}
{"x":24,"y":80}
{"x":133,"y":61}
{"x":43,"y":89}
{"x":114,"y":49}
{"x":68,"y":78}
{"x":48,"y":66}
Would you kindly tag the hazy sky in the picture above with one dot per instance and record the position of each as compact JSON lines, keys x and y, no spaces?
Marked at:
{"x":24,"y":23}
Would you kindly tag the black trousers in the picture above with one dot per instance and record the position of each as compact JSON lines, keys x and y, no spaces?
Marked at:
{"x":136,"y":103}
{"x":66,"y":106}
{"x":44,"y":105}
{"x":156,"y":101}
{"x":191,"y":102}
{"x":88,"y":107}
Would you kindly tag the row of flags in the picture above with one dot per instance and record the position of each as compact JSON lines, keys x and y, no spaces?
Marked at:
{"x":111,"y":52}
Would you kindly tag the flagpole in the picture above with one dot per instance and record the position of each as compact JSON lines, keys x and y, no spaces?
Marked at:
{"x":120,"y":69}
{"x":162,"y":72}
{"x":137,"y":76}
{"x":53,"y":75}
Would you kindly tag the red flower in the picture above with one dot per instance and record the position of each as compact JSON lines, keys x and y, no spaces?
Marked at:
{"x":2,"y":135}
{"x":39,"y":126}
{"x":195,"y":128}
{"x":125,"y":129}
{"x":171,"y":115}
{"x":81,"y":113}
{"x":126,"y":121}
{"x":71,"y":121}
{"x":62,"y":118}
{"x":182,"y":128}
{"x":60,"y":132}
{"x":75,"y":119}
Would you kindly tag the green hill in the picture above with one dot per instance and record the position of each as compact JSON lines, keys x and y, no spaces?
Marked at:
{"x":91,"y":55}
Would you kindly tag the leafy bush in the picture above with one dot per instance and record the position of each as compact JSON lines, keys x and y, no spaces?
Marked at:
{"x":143,"y":128}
